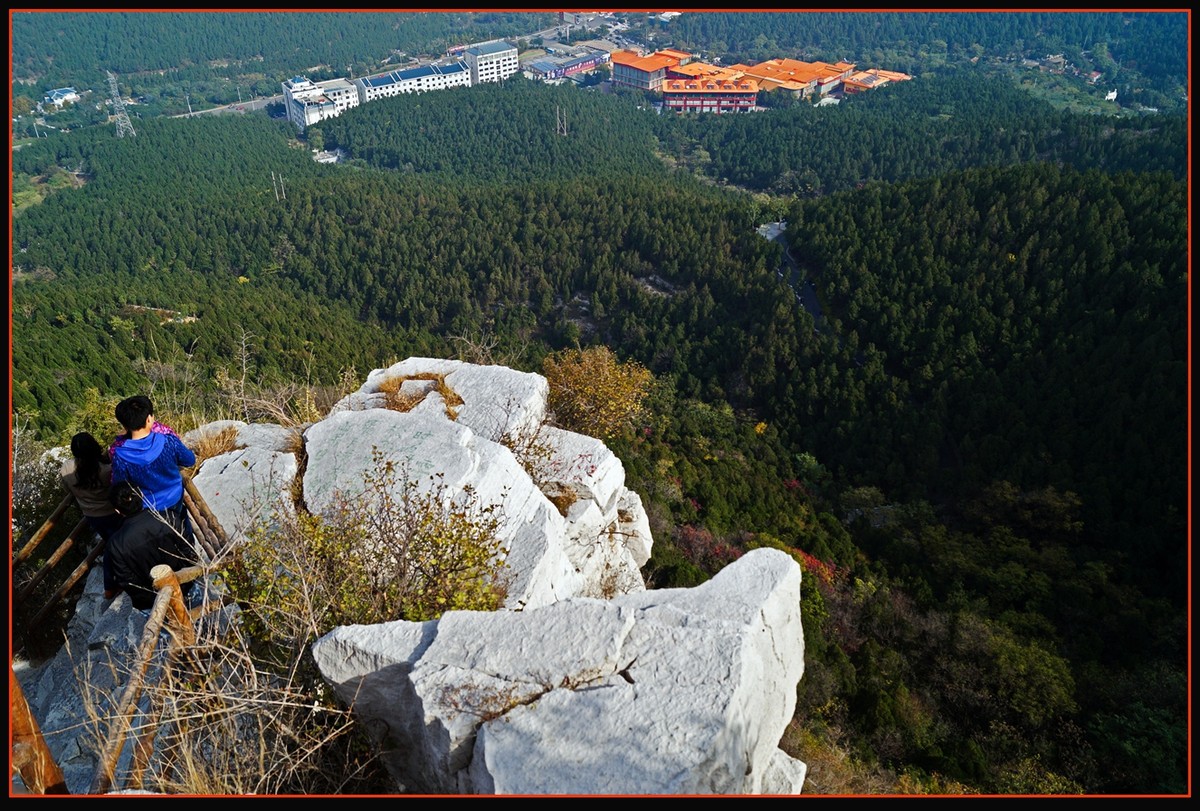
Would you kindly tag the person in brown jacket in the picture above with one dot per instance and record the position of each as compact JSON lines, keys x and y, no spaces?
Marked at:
{"x":87,"y":476}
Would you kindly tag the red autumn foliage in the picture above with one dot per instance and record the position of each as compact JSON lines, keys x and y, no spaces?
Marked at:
{"x":700,"y":547}
{"x":825,"y":572}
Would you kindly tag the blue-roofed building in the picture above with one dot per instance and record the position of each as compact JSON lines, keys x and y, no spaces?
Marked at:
{"x":491,"y":61}
{"x":551,"y":67}
{"x":413,"y":80}
{"x":60,"y":96}
{"x":308,"y":102}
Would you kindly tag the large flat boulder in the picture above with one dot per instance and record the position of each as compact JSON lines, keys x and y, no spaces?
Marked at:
{"x":676,"y":691}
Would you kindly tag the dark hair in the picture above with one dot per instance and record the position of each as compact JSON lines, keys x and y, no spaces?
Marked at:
{"x":133,"y":411}
{"x":88,"y":455}
{"x":126,"y":498}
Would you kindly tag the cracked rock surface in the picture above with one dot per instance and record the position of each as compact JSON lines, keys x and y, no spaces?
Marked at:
{"x":674,"y":691}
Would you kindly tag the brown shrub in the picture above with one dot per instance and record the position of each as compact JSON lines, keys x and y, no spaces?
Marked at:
{"x":592,"y":393}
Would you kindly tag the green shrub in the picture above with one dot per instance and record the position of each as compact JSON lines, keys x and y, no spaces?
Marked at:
{"x":395,"y":550}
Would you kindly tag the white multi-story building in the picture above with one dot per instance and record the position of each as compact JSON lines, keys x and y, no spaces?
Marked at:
{"x":491,"y":61}
{"x":309,"y":102}
{"x":412,"y":80}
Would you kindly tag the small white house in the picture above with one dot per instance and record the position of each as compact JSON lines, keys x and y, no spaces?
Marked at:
{"x":61,"y":96}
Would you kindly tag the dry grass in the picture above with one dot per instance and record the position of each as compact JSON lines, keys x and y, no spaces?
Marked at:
{"x":483,"y":349}
{"x":484,"y":703}
{"x":295,"y":442}
{"x":562,"y":500}
{"x":225,"y":722}
{"x":216,"y":443}
{"x":535,"y":454}
{"x":397,"y":400}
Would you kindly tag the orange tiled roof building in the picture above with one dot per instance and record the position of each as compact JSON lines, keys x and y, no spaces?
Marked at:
{"x":645,"y":72}
{"x":702,"y":88}
{"x":862,"y":80}
{"x":690,"y":85}
{"x":800,"y":78}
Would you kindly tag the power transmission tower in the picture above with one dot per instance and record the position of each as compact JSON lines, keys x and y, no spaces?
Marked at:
{"x":560,"y":121}
{"x":124,"y":126}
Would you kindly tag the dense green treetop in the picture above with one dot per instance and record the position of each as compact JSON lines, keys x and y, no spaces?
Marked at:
{"x":77,"y":47}
{"x":1027,"y":324}
{"x":920,"y":128}
{"x":1152,"y":44}
{"x":508,"y":131}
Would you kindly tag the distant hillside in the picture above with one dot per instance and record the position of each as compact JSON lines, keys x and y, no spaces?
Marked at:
{"x":77,"y":47}
{"x":960,"y":119}
{"x":1139,"y":50}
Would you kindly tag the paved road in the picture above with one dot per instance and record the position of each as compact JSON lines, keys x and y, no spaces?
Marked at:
{"x":240,"y":107}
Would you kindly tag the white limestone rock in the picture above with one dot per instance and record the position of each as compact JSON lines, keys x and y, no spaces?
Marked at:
{"x":583,"y":466}
{"x":676,"y":691}
{"x":210,"y":431}
{"x":633,"y":526}
{"x":586,"y":481}
{"x":246,"y":487}
{"x":497,"y":400}
{"x":266,"y":436}
{"x":429,"y":450}
{"x":785,"y":774}
{"x":605,"y":535}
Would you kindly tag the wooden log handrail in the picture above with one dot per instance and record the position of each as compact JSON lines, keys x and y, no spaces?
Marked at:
{"x":42,"y":531}
{"x":204,"y":533}
{"x":51,"y":562}
{"x":31,"y":757}
{"x":180,"y":624}
{"x":83,"y":568}
{"x":222,"y":538}
{"x":168,"y":603}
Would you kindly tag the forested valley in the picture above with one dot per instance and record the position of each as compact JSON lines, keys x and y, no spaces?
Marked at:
{"x":979,"y":458}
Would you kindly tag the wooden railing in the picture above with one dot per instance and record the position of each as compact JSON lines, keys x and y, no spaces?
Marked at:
{"x":208,"y":533}
{"x":31,"y":758}
{"x":169,"y":608}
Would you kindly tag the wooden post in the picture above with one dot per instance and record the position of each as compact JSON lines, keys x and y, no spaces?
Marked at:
{"x":53,"y":560}
{"x":179,"y":622}
{"x":43,"y":531}
{"x":31,"y":756}
{"x":143,"y":748}
{"x":182,"y":631}
{"x":204,"y":533}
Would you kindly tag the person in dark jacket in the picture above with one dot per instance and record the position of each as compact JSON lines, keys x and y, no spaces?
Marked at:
{"x":151,"y":460}
{"x":145,"y":540}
